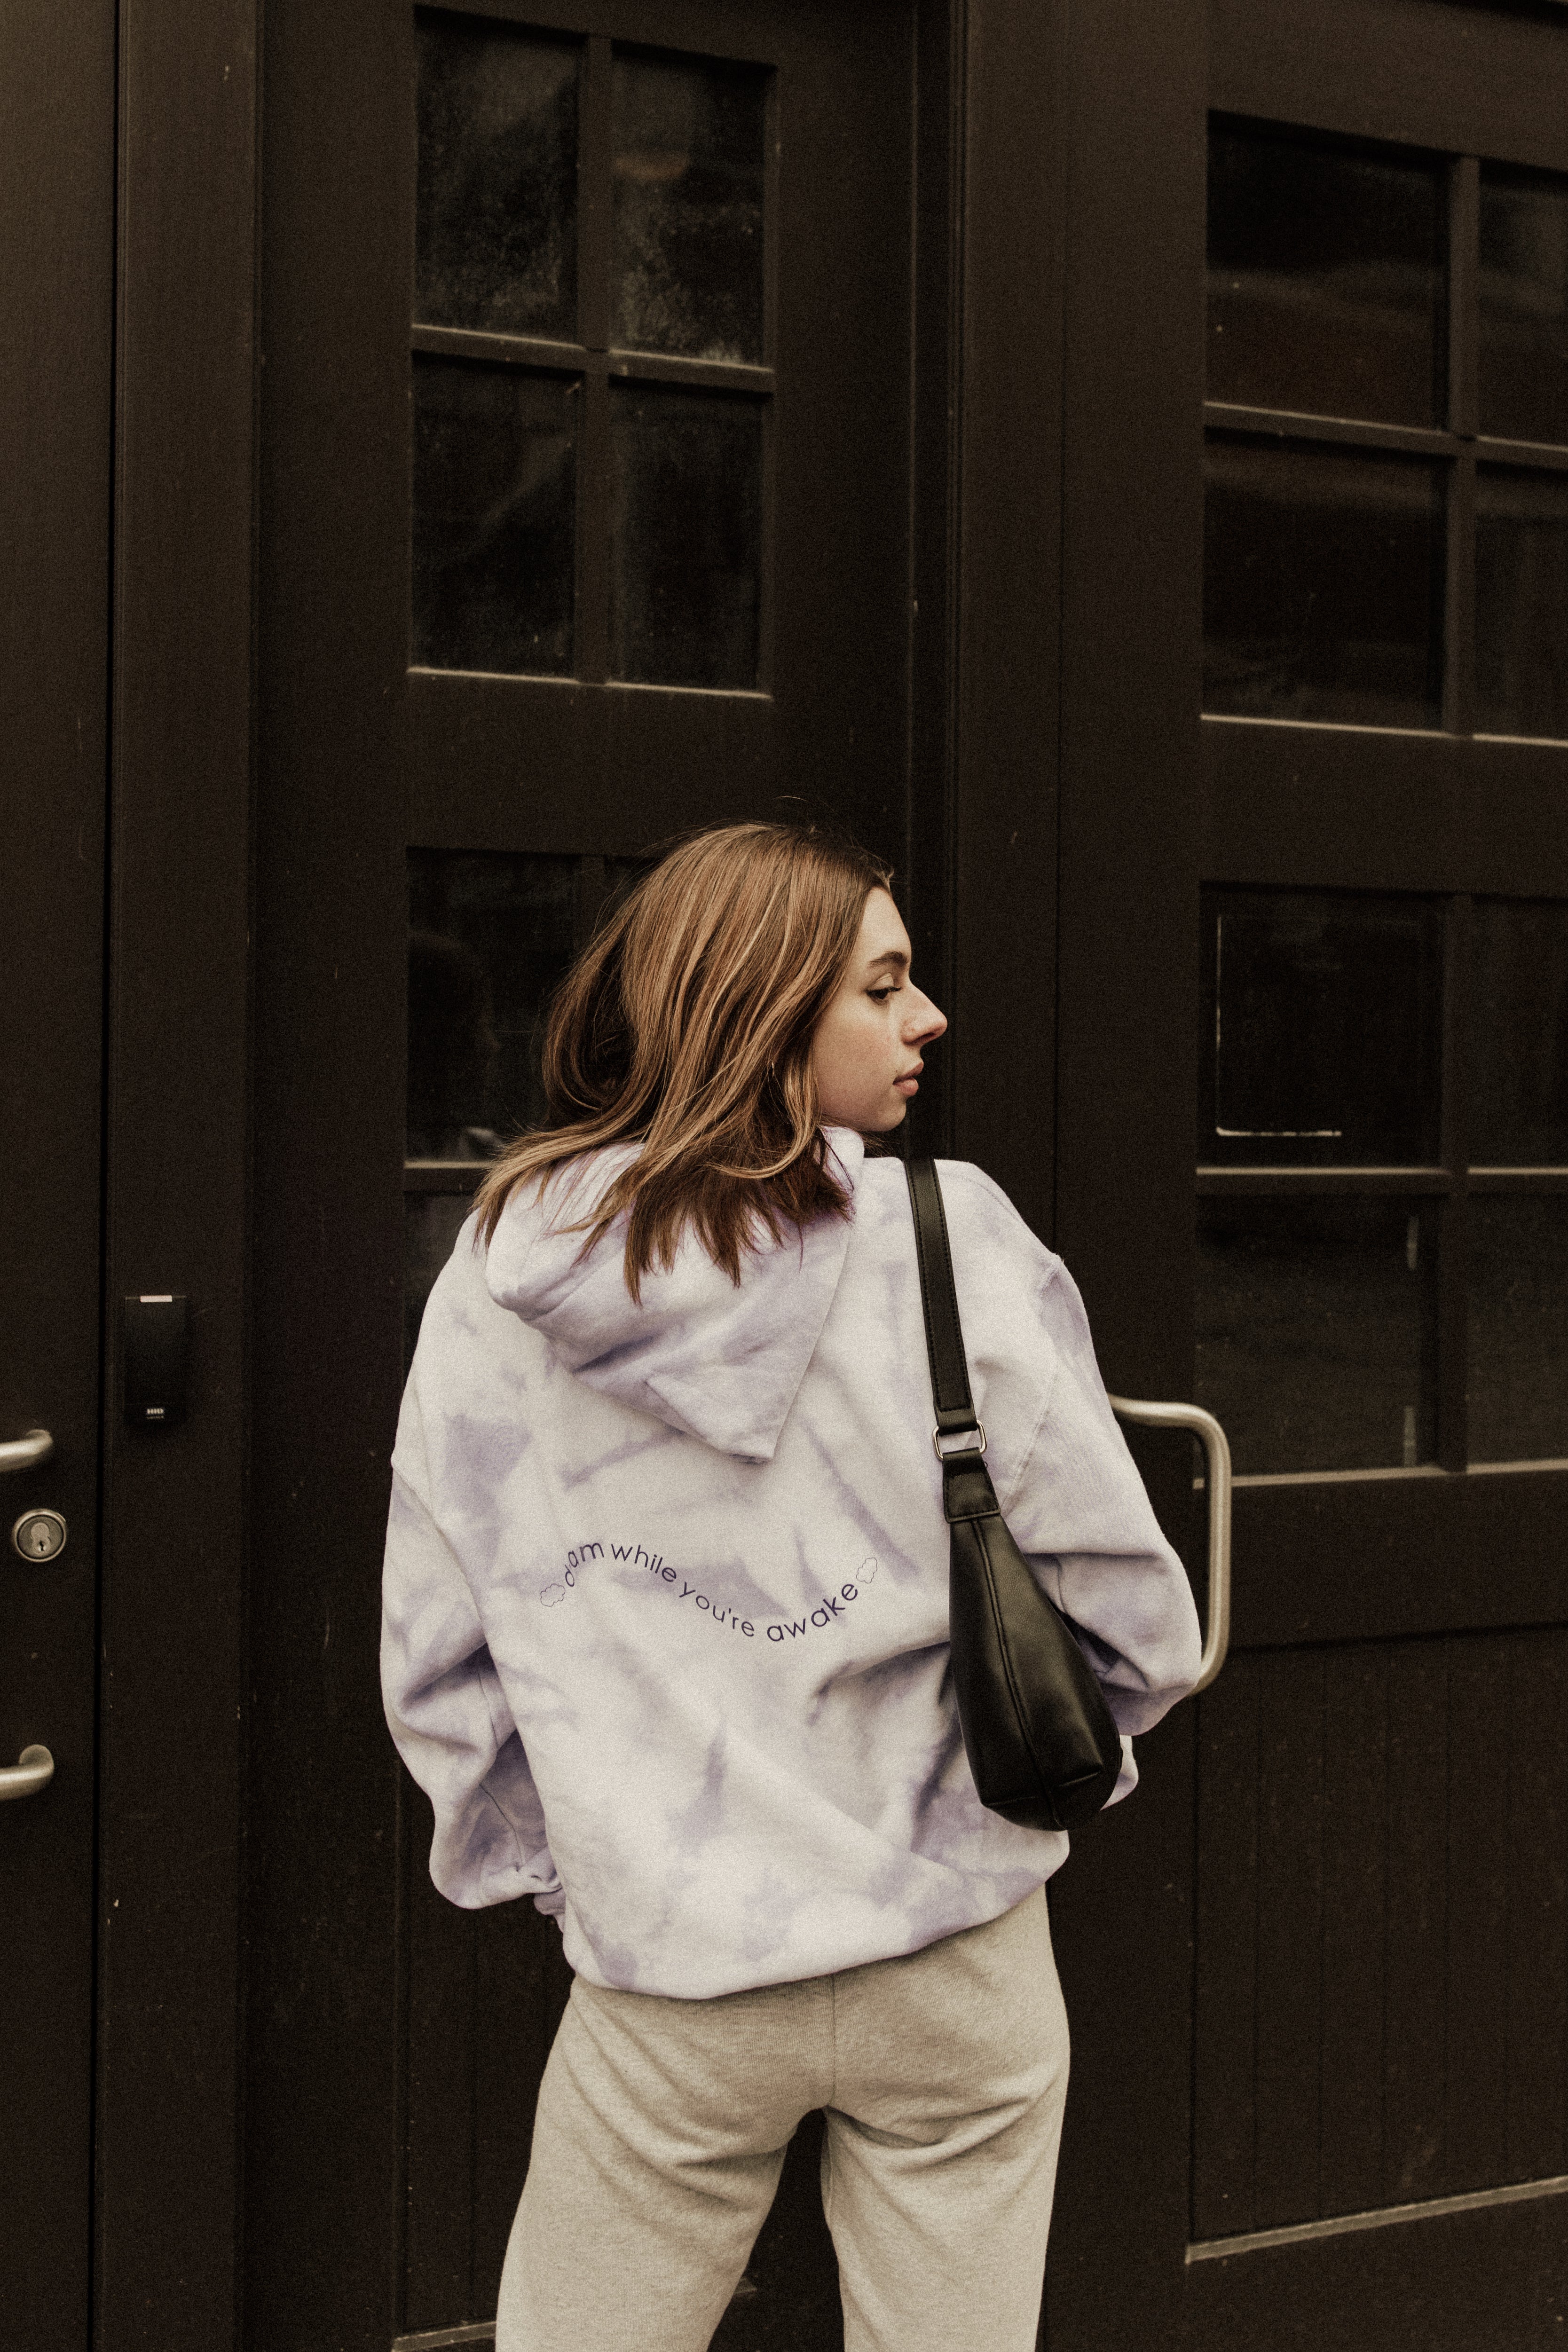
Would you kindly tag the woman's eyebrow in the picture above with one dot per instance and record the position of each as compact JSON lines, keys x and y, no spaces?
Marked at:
{"x":895,"y":956}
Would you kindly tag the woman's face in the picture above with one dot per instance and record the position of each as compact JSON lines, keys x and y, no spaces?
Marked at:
{"x":866,"y":1050}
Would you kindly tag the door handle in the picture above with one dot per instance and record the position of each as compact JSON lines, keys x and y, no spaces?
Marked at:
{"x":21,"y":1452}
{"x":33,"y":1771}
{"x":1217,"y":1638}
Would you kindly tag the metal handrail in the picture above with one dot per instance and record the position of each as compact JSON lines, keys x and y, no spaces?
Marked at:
{"x":1216,"y":1637}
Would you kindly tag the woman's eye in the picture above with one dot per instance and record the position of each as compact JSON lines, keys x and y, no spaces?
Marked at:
{"x":880,"y":995}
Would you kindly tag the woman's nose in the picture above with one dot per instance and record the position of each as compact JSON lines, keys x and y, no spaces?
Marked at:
{"x":925,"y":1023}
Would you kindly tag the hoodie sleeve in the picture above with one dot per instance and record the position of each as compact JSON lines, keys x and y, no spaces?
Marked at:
{"x":1080,"y":1512}
{"x":448,"y":1715}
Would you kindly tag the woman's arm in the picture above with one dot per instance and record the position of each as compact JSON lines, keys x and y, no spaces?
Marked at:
{"x":448,"y":1715}
{"x":1082,"y":1513}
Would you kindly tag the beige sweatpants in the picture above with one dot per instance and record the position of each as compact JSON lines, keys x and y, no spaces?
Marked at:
{"x":662,"y":2126}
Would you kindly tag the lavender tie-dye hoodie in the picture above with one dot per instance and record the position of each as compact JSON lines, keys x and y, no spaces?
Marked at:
{"x":665,"y":1594}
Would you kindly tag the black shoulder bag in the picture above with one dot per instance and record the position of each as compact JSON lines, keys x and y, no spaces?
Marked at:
{"x":1039,"y":1737}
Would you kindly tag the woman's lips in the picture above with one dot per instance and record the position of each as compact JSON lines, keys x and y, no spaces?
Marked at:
{"x":909,"y":1084}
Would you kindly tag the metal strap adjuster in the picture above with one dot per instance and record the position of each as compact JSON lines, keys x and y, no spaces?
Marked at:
{"x":963,"y":1447}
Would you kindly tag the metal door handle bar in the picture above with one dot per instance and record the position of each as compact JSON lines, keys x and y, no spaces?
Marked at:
{"x":33,"y":1771}
{"x":1216,"y":1639}
{"x":21,"y":1452}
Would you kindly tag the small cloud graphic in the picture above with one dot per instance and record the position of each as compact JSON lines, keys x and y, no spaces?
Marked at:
{"x":867,"y":1571}
{"x":551,"y":1594}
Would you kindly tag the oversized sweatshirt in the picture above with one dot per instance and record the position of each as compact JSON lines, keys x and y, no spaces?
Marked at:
{"x":666,"y":1601}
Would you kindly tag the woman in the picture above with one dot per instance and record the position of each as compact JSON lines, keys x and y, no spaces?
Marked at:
{"x":666,"y":1619}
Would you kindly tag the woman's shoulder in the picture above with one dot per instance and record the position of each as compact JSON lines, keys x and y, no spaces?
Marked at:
{"x":980,"y":1216}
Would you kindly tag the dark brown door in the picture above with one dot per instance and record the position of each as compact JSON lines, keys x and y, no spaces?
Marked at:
{"x":1364,"y":1827}
{"x":57,"y":73}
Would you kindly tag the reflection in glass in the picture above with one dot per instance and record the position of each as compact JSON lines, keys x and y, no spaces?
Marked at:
{"x":494,"y":500}
{"x":1519,"y":1328}
{"x":488,"y":938}
{"x":687,"y":527}
{"x":1316,"y":1331}
{"x":1322,"y":584}
{"x":1322,"y":1030}
{"x":1522,"y":603}
{"x":1524,"y":304}
{"x":431,"y":1224}
{"x":1326,"y":277}
{"x":1519,"y":1043}
{"x":497,"y":236}
{"x":688,"y":160}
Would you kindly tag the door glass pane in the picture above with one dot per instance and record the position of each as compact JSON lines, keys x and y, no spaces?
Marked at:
{"x":686,"y":521}
{"x":488,"y":938}
{"x":495,"y":489}
{"x":1522,"y":603}
{"x":1316,"y":1331}
{"x":1524,"y":304}
{"x":689,"y":163}
{"x":1322,"y":584}
{"x":1519,"y":1045}
{"x":1326,"y":277}
{"x":497,"y":235}
{"x":1323,"y":1030}
{"x":1519,"y":1328}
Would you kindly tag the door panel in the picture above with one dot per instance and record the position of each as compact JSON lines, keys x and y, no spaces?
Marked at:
{"x":1372,"y":2118}
{"x":1382,"y":2011}
{"x":57,"y":76}
{"x":730,"y":511}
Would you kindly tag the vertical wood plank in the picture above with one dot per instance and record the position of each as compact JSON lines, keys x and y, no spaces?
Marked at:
{"x":1356,"y":1801}
{"x":1008,"y":616}
{"x":1224,"y":1992}
{"x":520,"y":1987}
{"x":177,"y":1523}
{"x":441,"y":2060}
{"x":1536,"y":1834}
{"x":1126,"y":900}
{"x":1289,"y":1936}
{"x":1417,"y":1922}
{"x":1476,"y":2102}
{"x":326,"y":1238}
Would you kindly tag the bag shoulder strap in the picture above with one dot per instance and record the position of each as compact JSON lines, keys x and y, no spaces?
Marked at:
{"x":944,"y":1332}
{"x":967,"y":1491}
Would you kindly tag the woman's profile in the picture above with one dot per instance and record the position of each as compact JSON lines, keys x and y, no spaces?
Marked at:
{"x":666,"y":1624}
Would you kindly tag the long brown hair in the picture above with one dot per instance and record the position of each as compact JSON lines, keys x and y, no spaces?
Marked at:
{"x":686,"y":1028}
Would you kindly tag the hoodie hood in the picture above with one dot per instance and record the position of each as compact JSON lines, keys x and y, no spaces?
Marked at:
{"x":716,"y":1360}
